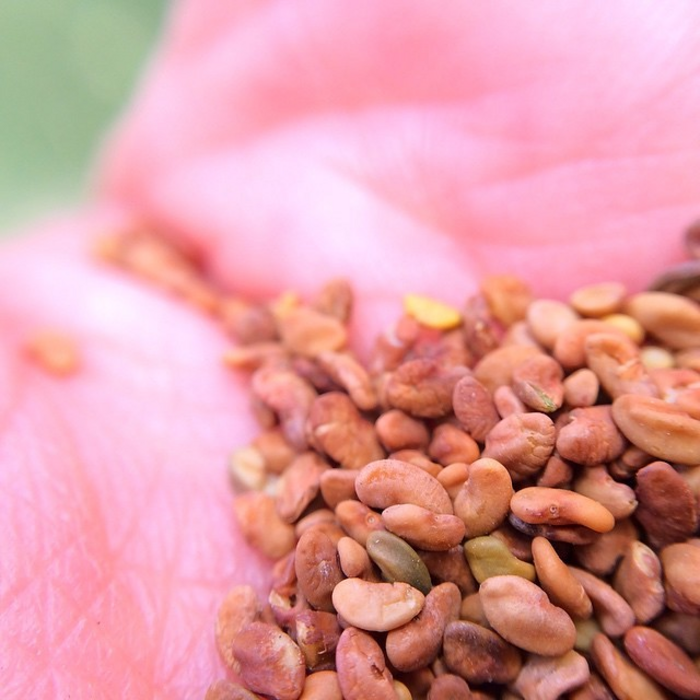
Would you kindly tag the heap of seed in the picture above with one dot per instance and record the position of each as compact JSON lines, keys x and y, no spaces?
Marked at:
{"x":503,"y":502}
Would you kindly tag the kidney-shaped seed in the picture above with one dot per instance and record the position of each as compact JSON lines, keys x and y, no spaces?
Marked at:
{"x":479,"y":655}
{"x":362,"y":671}
{"x":417,"y":643}
{"x":388,"y":482}
{"x":269,"y":661}
{"x":376,"y":607}
{"x":548,"y":678}
{"x":539,"y":504}
{"x":659,"y":428}
{"x":521,"y":613}
{"x":422,"y":528}
{"x":664,"y":661}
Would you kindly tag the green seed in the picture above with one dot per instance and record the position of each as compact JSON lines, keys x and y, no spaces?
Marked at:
{"x":488,"y":556}
{"x":398,"y":561}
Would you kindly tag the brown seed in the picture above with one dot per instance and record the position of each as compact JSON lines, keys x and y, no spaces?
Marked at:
{"x":547,"y":319}
{"x":599,"y":299}
{"x":348,"y":373}
{"x":538,"y":383}
{"x":522,"y":443}
{"x":638,"y":581}
{"x":507,"y":297}
{"x":423,"y":528}
{"x":484,"y":500}
{"x":548,"y":678}
{"x":537,"y":504}
{"x":681,"y":566}
{"x":450,"y":566}
{"x":338,"y":485}
{"x":261,"y":525}
{"x":239,"y":608}
{"x":597,"y":484}
{"x":601,"y":556}
{"x":672,"y":319}
{"x":507,"y":402}
{"x":581,"y":388}
{"x":617,"y":364}
{"x":455,"y":475}
{"x":682,"y":629}
{"x":397,"y":431}
{"x":522,"y":614}
{"x":474,"y":407}
{"x":358,"y":520}
{"x":353,"y":558}
{"x":388,"y":482}
{"x":451,"y":444}
{"x":479,"y":655}
{"x":299,"y":485}
{"x":362,"y":671}
{"x":322,"y":685}
{"x":449,"y":687}
{"x":496,"y":368}
{"x":269,"y":660}
{"x":665,"y":662}
{"x":659,"y":428}
{"x":305,"y":331}
{"x":557,"y":473}
{"x":423,"y":387}
{"x":593,"y":689}
{"x":289,"y":397}
{"x":558,"y":582}
{"x":276,"y":452}
{"x":316,"y":634}
{"x":417,"y":643}
{"x":611,"y":609}
{"x":317,"y":568}
{"x":667,"y":507}
{"x":589,"y":436}
{"x":337,"y":428}
{"x":570,"y":346}
{"x":625,"y":679}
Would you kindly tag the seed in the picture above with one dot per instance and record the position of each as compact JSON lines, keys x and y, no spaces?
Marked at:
{"x":388,"y":482}
{"x":659,"y":428}
{"x":489,"y":556}
{"x":376,"y":607}
{"x":665,"y":662}
{"x":521,"y":613}
{"x":362,"y":671}
{"x":422,"y":528}
{"x":269,"y":661}
{"x":598,"y":300}
{"x":431,"y":313}
{"x":537,"y":504}
{"x":479,"y":655}
{"x":398,"y":561}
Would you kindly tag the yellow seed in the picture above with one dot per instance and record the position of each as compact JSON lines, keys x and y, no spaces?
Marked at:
{"x":432,"y":313}
{"x":628,"y":325}
{"x":654,"y":357}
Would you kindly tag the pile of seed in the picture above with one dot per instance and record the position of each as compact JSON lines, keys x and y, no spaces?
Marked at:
{"x":503,"y":502}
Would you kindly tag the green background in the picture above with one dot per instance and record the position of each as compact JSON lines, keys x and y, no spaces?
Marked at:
{"x":67,"y":67}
